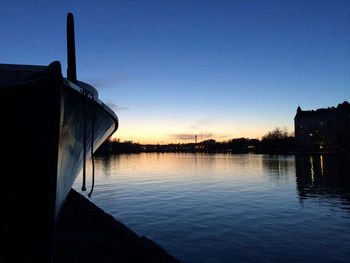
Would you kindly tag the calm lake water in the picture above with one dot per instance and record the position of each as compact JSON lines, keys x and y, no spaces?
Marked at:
{"x":231,"y":208}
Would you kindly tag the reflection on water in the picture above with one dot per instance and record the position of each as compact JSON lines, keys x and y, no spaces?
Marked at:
{"x":231,"y":208}
{"x":279,"y":168}
{"x":324,"y":177}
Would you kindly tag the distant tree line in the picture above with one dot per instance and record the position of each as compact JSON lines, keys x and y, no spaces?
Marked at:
{"x":277,"y":141}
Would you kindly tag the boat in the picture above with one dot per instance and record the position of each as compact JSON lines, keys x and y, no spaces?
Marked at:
{"x":50,"y":127}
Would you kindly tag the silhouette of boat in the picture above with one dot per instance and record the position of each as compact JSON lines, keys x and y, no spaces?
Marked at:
{"x":50,"y":126}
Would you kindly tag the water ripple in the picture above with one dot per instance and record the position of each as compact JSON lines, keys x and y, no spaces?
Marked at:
{"x":231,"y":208}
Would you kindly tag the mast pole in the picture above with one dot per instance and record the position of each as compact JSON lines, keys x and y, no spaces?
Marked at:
{"x":71,"y":69}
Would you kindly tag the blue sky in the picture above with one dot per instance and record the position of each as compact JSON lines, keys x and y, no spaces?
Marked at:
{"x":172,"y":69}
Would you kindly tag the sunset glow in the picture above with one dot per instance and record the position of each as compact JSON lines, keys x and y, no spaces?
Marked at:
{"x":175,"y":69}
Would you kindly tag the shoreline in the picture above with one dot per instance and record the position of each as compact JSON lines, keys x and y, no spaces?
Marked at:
{"x":306,"y":153}
{"x":85,"y":233}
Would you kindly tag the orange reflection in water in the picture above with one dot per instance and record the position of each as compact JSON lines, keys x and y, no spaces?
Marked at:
{"x":186,"y":168}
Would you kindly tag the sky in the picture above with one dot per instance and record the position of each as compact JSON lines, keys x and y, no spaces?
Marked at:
{"x":175,"y":69}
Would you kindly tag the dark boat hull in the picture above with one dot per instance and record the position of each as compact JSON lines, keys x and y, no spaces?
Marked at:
{"x":42,"y":153}
{"x":71,"y":143}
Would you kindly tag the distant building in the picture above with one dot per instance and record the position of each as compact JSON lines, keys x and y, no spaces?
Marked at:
{"x":195,"y":139}
{"x":323,"y":128}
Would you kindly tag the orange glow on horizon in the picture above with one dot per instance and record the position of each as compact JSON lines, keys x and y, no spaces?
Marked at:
{"x":159,"y":134}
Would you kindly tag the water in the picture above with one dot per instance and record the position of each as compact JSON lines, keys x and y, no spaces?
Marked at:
{"x":231,"y":208}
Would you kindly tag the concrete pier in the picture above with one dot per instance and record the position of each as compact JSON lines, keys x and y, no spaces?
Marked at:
{"x":85,"y":233}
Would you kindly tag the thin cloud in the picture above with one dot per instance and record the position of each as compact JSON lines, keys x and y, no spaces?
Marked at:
{"x":109,"y":82}
{"x":191,"y":136}
{"x":115,"y":107}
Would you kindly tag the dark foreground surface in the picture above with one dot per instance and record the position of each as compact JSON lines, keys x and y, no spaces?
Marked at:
{"x":88,"y":234}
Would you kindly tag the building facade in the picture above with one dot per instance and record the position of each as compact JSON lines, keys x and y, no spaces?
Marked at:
{"x":327,"y":128}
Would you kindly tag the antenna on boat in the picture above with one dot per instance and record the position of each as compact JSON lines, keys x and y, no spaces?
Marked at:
{"x":71,"y":69}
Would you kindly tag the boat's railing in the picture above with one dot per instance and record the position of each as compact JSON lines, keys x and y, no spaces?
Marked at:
{"x":92,"y":96}
{"x":88,"y":95}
